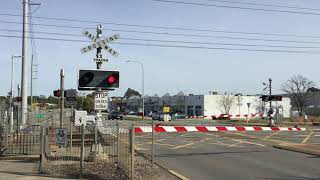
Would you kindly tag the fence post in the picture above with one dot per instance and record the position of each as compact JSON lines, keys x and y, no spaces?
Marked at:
{"x":132,"y":143}
{"x":6,"y":132}
{"x":71,"y":124}
{"x":42,"y":133}
{"x":82,"y":150}
{"x":152,"y":146}
{"x":118,"y":143}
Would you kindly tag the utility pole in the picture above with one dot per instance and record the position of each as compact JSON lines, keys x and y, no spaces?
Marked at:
{"x":31,"y":83}
{"x":24,"y":74}
{"x":270,"y":104}
{"x":18,"y":115}
{"x":11,"y":95}
{"x":61,"y":95}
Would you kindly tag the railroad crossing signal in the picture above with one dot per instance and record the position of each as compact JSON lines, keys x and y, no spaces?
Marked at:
{"x":57,"y":93}
{"x":95,"y":79}
{"x":100,"y":43}
{"x":271,"y":98}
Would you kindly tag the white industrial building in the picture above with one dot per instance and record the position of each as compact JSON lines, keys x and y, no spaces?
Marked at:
{"x":210,"y":104}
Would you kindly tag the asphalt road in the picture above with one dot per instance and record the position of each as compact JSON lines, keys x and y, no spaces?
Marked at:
{"x":233,"y":155}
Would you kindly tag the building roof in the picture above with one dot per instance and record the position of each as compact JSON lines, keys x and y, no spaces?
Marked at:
{"x":180,"y":94}
{"x":166,"y":95}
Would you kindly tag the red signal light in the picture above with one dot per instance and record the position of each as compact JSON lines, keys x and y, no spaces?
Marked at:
{"x":111,"y":79}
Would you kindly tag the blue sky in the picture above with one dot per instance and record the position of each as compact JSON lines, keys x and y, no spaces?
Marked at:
{"x":170,"y":70}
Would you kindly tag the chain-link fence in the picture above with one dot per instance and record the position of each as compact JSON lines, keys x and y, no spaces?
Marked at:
{"x":107,"y":151}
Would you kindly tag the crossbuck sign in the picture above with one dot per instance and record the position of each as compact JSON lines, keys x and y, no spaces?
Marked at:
{"x":100,"y":43}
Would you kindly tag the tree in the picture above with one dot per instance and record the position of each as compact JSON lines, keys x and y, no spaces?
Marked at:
{"x":260,"y":105}
{"x":297,"y":89}
{"x":131,"y":92}
{"x":313,"y":89}
{"x":226,"y":102}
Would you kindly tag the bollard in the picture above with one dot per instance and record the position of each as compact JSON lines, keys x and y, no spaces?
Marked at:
{"x":82,"y":150}
{"x":132,"y":151}
{"x":118,"y":144}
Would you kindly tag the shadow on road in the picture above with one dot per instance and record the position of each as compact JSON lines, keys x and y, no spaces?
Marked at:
{"x":205,"y":154}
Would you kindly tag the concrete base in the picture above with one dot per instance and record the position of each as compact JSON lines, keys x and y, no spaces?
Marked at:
{"x":97,"y":154}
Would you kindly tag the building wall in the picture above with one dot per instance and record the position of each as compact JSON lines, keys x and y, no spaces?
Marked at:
{"x":212,"y":106}
{"x":194,"y":105}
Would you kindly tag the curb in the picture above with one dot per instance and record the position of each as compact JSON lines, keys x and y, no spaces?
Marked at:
{"x":295,"y":149}
{"x":22,"y":158}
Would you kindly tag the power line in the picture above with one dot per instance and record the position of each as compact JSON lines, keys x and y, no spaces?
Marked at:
{"x":176,"y":41}
{"x":173,"y":34}
{"x":265,"y":5}
{"x":180,"y":46}
{"x":237,"y":7}
{"x":166,"y":27}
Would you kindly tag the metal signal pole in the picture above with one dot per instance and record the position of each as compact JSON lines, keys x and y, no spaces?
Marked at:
{"x":98,"y":55}
{"x":24,"y":94}
{"x":61,"y":96}
{"x":270,"y":105}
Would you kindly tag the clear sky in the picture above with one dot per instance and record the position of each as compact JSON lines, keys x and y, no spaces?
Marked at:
{"x":167,"y":69}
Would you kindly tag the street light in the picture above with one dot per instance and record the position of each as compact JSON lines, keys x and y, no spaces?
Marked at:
{"x":138,"y":62}
{"x":11,"y":91}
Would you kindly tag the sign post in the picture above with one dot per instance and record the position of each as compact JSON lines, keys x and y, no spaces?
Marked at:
{"x":101,"y":97}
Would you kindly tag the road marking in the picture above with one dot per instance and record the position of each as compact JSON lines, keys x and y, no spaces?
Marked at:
{"x":272,"y":135}
{"x":181,"y":146}
{"x":236,"y":144}
{"x":307,"y":138}
{"x":178,"y":175}
{"x":247,"y":142}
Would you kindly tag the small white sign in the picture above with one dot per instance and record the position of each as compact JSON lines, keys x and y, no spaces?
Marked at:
{"x":100,"y":60}
{"x":101,"y":101}
{"x":61,"y":136}
{"x":80,"y":118}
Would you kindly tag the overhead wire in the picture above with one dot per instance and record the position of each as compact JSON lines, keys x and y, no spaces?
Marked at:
{"x":172,"y":34}
{"x":265,"y":5}
{"x":178,"y":46}
{"x":164,"y":27}
{"x":237,"y":7}
{"x":174,"y":41}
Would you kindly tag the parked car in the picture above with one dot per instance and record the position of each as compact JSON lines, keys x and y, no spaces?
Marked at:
{"x":115,"y":115}
{"x":180,"y":116}
{"x":160,"y":116}
{"x":133,"y":113}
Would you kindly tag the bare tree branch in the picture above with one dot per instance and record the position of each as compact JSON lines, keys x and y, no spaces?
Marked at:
{"x":297,"y":89}
{"x":226,"y":102}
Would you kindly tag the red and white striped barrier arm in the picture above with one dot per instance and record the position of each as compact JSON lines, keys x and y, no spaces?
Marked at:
{"x":143,"y":129}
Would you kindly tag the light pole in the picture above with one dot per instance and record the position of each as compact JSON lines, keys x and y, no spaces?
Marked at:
{"x":138,"y":62}
{"x":11,"y":92}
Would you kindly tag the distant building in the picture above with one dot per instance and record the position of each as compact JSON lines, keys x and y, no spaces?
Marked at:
{"x":208,"y":105}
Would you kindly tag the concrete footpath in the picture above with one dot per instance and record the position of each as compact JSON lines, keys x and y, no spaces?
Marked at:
{"x":20,"y":169}
{"x":313,"y":149}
